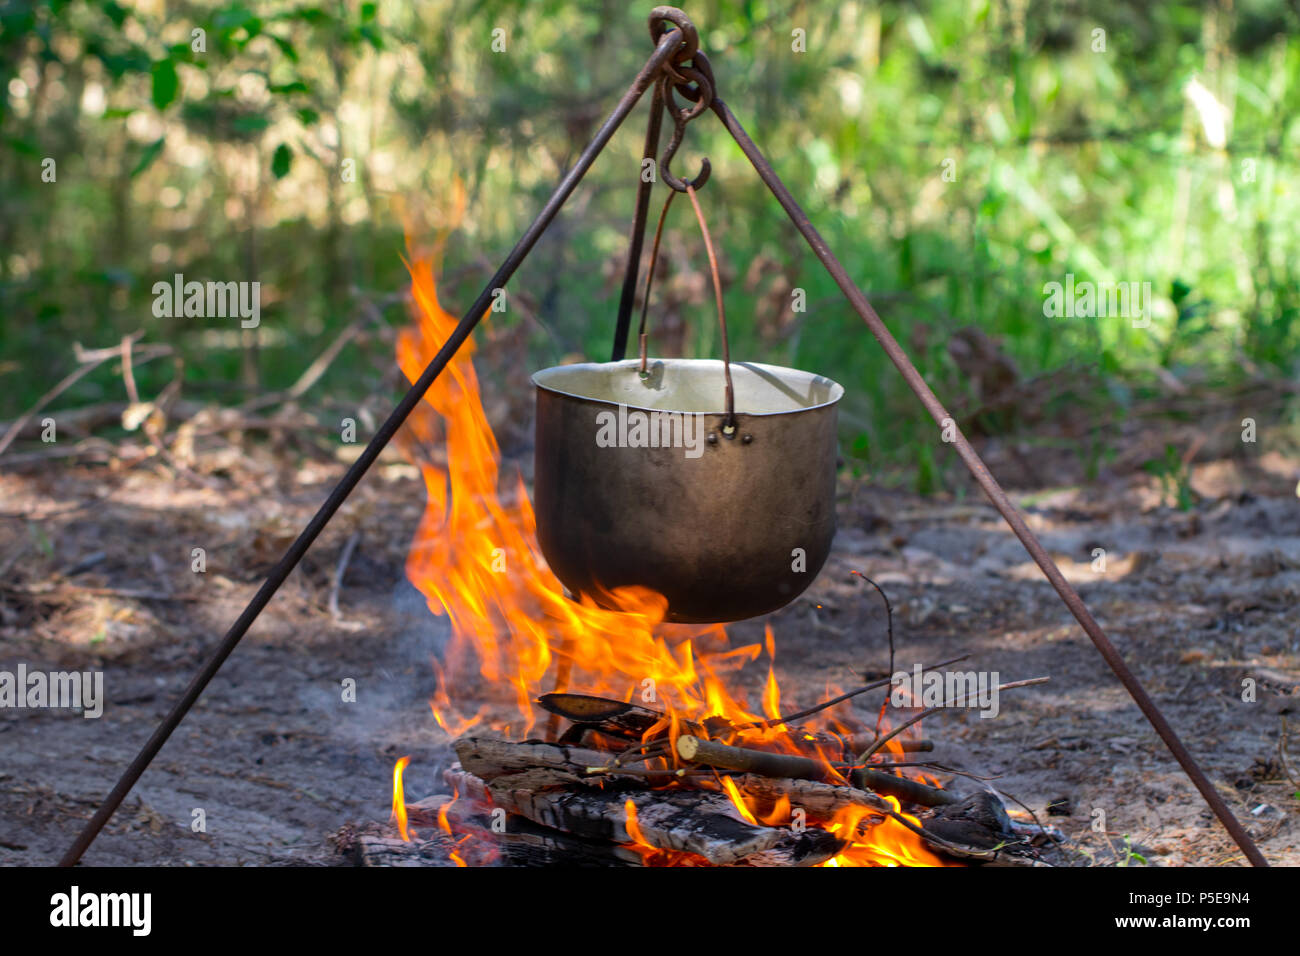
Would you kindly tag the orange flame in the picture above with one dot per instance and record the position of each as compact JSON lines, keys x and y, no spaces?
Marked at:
{"x":399,"y":799}
{"x":889,"y":843}
{"x":475,"y":559}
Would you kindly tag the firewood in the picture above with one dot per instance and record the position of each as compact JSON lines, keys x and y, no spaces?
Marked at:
{"x":491,"y":757}
{"x":525,"y":843}
{"x":714,"y":754}
{"x":807,"y":848}
{"x":910,"y":791}
{"x":922,"y":746}
{"x":975,"y":828}
{"x":706,"y":824}
{"x":821,"y":801}
{"x":374,"y":850}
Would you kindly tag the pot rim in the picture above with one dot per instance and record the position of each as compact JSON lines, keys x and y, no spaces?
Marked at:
{"x":775,"y":371}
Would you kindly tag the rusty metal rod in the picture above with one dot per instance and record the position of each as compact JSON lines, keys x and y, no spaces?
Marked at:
{"x":666,"y":47}
{"x":986,"y":481}
{"x":643,"y":191}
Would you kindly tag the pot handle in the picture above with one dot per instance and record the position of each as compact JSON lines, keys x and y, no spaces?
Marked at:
{"x":729,"y":424}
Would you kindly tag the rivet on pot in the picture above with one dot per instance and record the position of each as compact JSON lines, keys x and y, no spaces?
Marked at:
{"x":747,"y":439}
{"x":713,"y":438}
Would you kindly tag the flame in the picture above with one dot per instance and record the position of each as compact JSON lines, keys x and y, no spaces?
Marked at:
{"x":652,"y":855}
{"x":888,"y":843}
{"x":475,"y":559}
{"x":772,"y":691}
{"x":633,"y":828}
{"x":733,"y":792}
{"x":513,"y":632}
{"x":399,"y":799}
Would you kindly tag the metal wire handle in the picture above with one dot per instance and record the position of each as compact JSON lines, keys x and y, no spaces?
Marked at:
{"x":729,"y":423}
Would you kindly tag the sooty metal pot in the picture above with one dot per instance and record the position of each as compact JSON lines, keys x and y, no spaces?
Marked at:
{"x":639,"y":481}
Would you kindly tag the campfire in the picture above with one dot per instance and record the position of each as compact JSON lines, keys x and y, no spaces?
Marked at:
{"x":605,"y":734}
{"x":649,"y":748}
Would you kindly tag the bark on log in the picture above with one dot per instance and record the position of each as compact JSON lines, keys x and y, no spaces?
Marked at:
{"x":692,"y":821}
{"x":376,"y":844}
{"x":907,"y":790}
{"x":821,"y":801}
{"x":491,"y":757}
{"x":713,"y":754}
{"x":807,"y":848}
{"x":978,"y":828}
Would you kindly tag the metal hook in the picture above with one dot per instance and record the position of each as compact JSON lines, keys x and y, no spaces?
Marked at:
{"x":701,"y":97}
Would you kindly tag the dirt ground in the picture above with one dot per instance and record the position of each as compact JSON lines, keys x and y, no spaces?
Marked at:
{"x":96,"y":572}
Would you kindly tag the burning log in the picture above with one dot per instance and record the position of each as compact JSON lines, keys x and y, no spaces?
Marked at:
{"x":911,"y":791}
{"x":821,"y":801}
{"x":807,"y":848}
{"x":714,"y":754}
{"x":698,"y":822}
{"x":524,"y":843}
{"x":570,"y":803}
{"x":492,"y":757}
{"x":979,"y":825}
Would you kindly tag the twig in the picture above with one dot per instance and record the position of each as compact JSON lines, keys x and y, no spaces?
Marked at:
{"x":320,"y":365}
{"x":656,"y":748}
{"x":139,"y":594}
{"x":880,"y":742}
{"x":94,"y":360}
{"x":878,"y":781}
{"x":133,"y":395}
{"x":923,"y":746}
{"x":648,"y":772}
{"x":889,"y":615}
{"x":1281,"y":752}
{"x":128,"y":375}
{"x":1052,"y":833}
{"x":816,"y":708}
{"x":715,"y":754}
{"x":339,"y":571}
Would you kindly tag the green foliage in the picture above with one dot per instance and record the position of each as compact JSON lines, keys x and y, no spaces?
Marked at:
{"x":166,"y":84}
{"x":1130,"y":856}
{"x":957,"y":156}
{"x":1175,"y":477}
{"x":282,"y":161}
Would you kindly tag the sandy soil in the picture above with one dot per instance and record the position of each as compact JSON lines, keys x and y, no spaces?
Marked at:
{"x":95,"y":572}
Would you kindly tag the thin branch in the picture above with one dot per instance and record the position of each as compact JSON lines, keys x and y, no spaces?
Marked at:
{"x":880,"y":742}
{"x":339,"y":571}
{"x":93,"y":360}
{"x":816,"y":708}
{"x":889,"y":615}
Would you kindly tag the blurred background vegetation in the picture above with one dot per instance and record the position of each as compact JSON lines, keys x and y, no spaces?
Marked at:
{"x":957,"y":155}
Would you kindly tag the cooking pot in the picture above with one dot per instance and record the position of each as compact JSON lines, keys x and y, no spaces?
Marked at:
{"x":641,"y":480}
